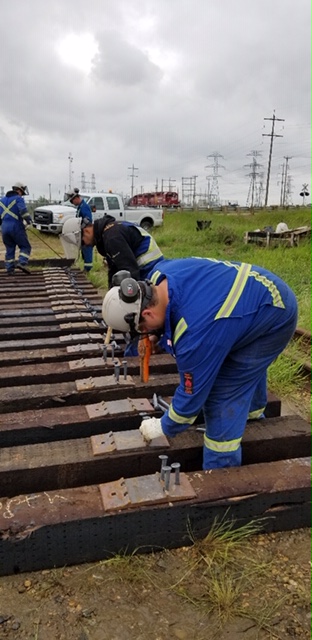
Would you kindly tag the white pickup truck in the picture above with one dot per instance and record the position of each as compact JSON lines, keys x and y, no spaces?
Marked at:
{"x":50,"y":218}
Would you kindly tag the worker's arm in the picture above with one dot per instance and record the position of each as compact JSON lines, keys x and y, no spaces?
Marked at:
{"x":198,"y":364}
{"x":119,"y":252}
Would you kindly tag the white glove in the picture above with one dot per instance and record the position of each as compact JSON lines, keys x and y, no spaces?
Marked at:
{"x":151,"y":428}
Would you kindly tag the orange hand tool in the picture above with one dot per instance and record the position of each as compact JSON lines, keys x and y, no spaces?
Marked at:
{"x":145,"y":350}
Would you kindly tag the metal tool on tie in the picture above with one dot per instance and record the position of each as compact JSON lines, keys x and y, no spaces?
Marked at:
{"x":145,"y":350}
{"x":159,"y":403}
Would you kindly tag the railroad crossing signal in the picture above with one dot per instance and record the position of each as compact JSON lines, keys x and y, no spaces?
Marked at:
{"x":304,"y":192}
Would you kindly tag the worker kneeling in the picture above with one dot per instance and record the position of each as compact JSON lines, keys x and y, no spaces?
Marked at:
{"x":225,"y":323}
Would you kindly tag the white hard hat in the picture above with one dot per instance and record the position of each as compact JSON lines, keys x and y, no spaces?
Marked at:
{"x":123,"y":304}
{"x":120,"y":313}
{"x":22,"y":187}
{"x":72,"y":193}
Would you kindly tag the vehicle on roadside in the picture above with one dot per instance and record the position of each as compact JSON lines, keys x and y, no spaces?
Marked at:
{"x":50,"y":218}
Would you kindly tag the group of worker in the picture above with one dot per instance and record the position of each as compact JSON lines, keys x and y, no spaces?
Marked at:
{"x":223,"y":321}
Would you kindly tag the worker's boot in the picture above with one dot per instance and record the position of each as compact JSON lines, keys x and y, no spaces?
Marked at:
{"x":23,"y":267}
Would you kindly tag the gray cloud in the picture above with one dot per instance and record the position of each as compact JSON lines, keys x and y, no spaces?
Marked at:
{"x":171,"y":83}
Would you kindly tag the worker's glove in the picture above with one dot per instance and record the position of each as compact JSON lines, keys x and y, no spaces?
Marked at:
{"x":151,"y":428}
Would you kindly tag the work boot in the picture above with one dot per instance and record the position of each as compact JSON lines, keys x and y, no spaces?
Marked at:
{"x":24,"y":268}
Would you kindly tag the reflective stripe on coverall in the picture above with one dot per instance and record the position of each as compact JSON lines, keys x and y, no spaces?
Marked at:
{"x":225,"y":323}
{"x":13,"y":212}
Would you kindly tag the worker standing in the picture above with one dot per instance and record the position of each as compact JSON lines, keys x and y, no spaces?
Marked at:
{"x":123,"y":244}
{"x":14,"y":219}
{"x":225,"y":322}
{"x":83,"y":212}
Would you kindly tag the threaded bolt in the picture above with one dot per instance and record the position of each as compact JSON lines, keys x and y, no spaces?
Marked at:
{"x":167,"y":472}
{"x":116,"y":370}
{"x":176,"y":467}
{"x":124,"y":362}
{"x":164,"y":460}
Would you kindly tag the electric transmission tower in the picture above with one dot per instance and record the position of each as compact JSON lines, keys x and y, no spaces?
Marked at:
{"x":83,"y":182}
{"x":285,"y":197}
{"x":213,"y":189}
{"x":272,"y":135}
{"x":254,"y":174}
{"x":189,"y":191}
{"x":93,"y":185}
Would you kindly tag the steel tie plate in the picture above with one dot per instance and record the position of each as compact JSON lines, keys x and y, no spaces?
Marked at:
{"x":76,"y":348}
{"x":103,"y":443}
{"x":144,"y":490}
{"x":97,"y":410}
{"x":132,"y":439}
{"x":141,"y":404}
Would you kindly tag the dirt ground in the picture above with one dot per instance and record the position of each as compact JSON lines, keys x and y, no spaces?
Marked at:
{"x":167,"y":595}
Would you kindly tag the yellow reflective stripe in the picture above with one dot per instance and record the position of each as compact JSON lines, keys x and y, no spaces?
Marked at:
{"x":153,"y":253}
{"x":235,"y":292}
{"x":8,"y":209}
{"x":180,"y":419}
{"x":252,"y":415}
{"x":222,"y":447}
{"x":22,"y":253}
{"x":155,"y":277}
{"x":179,"y":330}
{"x":276,"y":296}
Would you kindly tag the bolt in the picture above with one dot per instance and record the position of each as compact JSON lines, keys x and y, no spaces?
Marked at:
{"x":164,"y":460}
{"x":176,"y":467}
{"x":105,"y":353}
{"x":116,"y":370}
{"x":167,"y":471}
{"x":124,"y":362}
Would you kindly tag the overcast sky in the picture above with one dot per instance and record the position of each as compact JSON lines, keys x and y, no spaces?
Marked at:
{"x":161,"y":85}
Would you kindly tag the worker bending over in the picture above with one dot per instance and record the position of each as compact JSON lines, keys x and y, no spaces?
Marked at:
{"x":225,"y":322}
{"x":123,"y":244}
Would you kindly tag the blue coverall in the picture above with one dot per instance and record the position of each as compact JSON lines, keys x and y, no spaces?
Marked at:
{"x":225,"y":323}
{"x":84,"y":211}
{"x":13,"y":212}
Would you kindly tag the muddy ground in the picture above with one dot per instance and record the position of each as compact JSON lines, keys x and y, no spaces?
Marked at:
{"x":266,"y":595}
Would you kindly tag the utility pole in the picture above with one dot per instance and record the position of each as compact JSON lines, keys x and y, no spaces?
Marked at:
{"x":70,"y":161}
{"x":272,"y":135}
{"x":194,"y":191}
{"x":50,"y":199}
{"x":132,"y":176}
